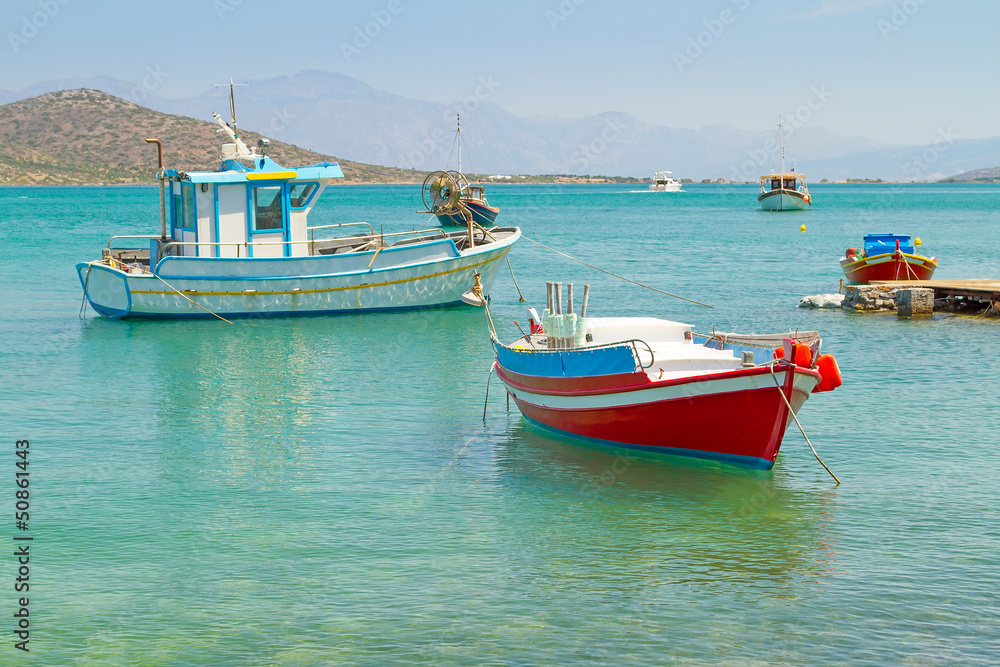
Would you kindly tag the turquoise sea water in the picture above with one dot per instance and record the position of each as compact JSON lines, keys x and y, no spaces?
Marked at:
{"x":323,"y":490}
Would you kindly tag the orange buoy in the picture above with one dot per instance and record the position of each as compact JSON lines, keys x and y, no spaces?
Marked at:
{"x":829,"y":373}
{"x":779,"y":353}
{"x":851,"y":252}
{"x":803,"y":356}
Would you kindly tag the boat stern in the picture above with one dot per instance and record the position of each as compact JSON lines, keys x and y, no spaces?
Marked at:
{"x":105,"y":288}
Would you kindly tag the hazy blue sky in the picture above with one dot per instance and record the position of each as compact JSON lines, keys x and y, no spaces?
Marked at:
{"x":893,"y":70}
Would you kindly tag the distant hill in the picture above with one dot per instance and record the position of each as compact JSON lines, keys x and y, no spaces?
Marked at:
{"x":335,"y":114}
{"x":988,"y":175}
{"x":91,"y":137}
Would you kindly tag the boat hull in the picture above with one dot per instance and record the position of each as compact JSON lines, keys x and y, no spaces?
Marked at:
{"x":482,"y":214}
{"x":889,"y":266}
{"x":737,"y":416}
{"x":202,"y":287}
{"x":784,"y":200}
{"x":665,"y":187}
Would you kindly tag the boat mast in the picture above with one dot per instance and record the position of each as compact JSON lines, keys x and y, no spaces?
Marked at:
{"x":781,"y":144}
{"x":458,"y":138}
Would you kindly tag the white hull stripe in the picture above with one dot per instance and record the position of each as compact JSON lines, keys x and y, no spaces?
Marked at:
{"x":803,"y":382}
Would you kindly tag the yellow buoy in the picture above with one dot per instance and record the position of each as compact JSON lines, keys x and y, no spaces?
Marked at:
{"x":917,"y":241}
{"x":802,"y":228}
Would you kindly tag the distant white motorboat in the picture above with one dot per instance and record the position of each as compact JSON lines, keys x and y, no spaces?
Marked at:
{"x":664,"y":182}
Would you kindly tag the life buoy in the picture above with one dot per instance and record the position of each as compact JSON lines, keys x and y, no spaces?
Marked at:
{"x":829,"y":374}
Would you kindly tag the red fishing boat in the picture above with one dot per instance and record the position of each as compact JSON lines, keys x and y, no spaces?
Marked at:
{"x":653,"y":384}
{"x":886,"y":257}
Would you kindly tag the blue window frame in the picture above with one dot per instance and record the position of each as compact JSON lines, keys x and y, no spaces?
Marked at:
{"x":300,"y":194}
{"x":267,"y":211}
{"x":184,"y":208}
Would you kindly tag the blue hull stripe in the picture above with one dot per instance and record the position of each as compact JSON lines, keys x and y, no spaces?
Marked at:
{"x":753,"y":462}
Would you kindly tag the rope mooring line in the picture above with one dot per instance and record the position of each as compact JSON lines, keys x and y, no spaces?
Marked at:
{"x":521,"y":296}
{"x":192,"y":300}
{"x":488,"y":376}
{"x":792,"y":412}
{"x":86,"y":283}
{"x":597,"y":268}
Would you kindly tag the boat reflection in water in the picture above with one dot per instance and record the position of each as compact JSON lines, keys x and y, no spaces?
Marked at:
{"x":680,"y":520}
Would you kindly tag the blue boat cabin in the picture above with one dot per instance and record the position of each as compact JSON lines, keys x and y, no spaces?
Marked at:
{"x":240,"y":211}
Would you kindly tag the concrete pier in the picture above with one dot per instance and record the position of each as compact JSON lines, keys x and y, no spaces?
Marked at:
{"x":914,"y":301}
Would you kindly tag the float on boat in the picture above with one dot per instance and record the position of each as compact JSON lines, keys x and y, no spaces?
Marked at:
{"x":664,"y":182}
{"x":886,"y":257}
{"x":783,"y":191}
{"x":237,"y":242}
{"x":653,"y":384}
{"x":472,"y":197}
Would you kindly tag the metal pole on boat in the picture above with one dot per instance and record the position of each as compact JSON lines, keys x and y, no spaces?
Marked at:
{"x":569,"y":298}
{"x":163,"y":196}
{"x":586,"y":295}
{"x":559,"y":313}
{"x":548,"y":292}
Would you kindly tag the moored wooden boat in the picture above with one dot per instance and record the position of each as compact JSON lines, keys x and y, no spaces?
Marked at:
{"x":783,"y":191}
{"x":646,"y":383}
{"x":236,"y":242}
{"x":886,"y":257}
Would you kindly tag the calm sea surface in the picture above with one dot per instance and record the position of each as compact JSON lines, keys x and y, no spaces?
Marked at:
{"x":321,"y":490}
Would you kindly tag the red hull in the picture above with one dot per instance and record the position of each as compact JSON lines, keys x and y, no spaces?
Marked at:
{"x":745,"y":425}
{"x":889,"y":267}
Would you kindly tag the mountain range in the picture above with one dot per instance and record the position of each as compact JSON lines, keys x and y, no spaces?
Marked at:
{"x":334,"y":114}
{"x":91,"y":137}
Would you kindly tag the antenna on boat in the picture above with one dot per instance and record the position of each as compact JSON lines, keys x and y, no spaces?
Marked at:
{"x":781,"y":144}
{"x":238,"y":149}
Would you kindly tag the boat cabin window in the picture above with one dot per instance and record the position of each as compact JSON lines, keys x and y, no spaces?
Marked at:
{"x":789,"y":183}
{"x":183,"y":207}
{"x":267,"y":209}
{"x":775,"y":183}
{"x":301,"y":193}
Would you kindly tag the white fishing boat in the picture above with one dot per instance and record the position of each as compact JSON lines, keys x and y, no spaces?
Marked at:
{"x":783,"y":191}
{"x":664,"y":182}
{"x":236,"y":242}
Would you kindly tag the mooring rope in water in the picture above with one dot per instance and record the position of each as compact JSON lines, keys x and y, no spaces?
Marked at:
{"x":488,"y":377}
{"x":192,"y":300}
{"x":521,"y":296}
{"x":86,"y":283}
{"x":597,"y":268}
{"x":792,"y":412}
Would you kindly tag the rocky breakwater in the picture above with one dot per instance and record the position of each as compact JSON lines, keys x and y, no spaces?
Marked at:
{"x":869,"y":297}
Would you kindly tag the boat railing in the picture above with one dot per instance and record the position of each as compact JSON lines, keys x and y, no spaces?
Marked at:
{"x":132,"y":236}
{"x":246,"y":245}
{"x":635,"y":350}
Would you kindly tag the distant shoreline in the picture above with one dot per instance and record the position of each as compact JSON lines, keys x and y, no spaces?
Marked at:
{"x":524,"y":182}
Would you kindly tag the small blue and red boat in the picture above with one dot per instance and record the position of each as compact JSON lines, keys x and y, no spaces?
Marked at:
{"x":652,"y":384}
{"x":886,"y":257}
